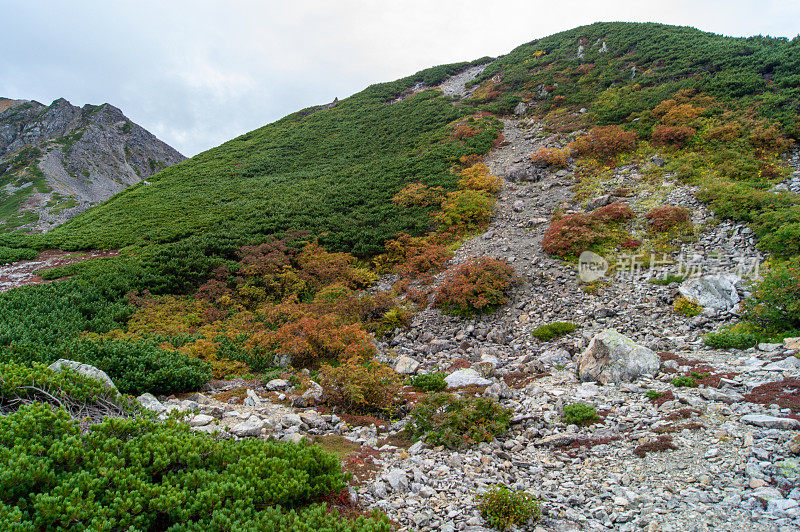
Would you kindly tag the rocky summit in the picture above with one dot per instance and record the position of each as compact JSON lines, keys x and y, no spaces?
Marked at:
{"x":58,"y":160}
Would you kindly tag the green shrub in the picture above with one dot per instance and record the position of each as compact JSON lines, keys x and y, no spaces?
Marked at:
{"x":502,"y":508}
{"x":686,"y":307}
{"x":444,"y":419}
{"x":731,"y":339}
{"x":775,"y":304}
{"x":138,"y":367}
{"x":667,"y":280}
{"x":653,"y":394}
{"x":138,"y":474}
{"x":684,"y":381}
{"x":430,"y":382}
{"x":580,"y":414}
{"x":479,"y":285}
{"x":553,"y":330}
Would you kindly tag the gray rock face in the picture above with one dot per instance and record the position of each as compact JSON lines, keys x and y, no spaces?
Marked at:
{"x":714,"y":291}
{"x":149,"y":402}
{"x":86,"y":155}
{"x":84,"y":369}
{"x":406,"y":365}
{"x":771,"y":422}
{"x":248,"y":429}
{"x":612,"y":358}
{"x":465,"y":377}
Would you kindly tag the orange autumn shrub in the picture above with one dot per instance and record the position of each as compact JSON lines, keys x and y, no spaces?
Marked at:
{"x":604,"y":142}
{"x":464,"y":131}
{"x":672,"y":113}
{"x":479,"y":285}
{"x":555,"y":157}
{"x":477,"y":177}
{"x":414,"y":257}
{"x":312,"y":340}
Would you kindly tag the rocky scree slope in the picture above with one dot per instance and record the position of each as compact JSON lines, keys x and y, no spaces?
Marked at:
{"x":58,"y":160}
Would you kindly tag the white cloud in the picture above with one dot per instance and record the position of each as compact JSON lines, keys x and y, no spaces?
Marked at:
{"x":199,"y":72}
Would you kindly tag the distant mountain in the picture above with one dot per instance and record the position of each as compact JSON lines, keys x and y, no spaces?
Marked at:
{"x":58,"y":160}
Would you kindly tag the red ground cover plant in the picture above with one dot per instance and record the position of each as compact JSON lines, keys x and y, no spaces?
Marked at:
{"x":662,"y":443}
{"x":785,"y":394}
{"x":574,"y":233}
{"x":479,"y":285}
{"x":664,"y":218}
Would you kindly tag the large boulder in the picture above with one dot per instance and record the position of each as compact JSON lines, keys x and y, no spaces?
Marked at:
{"x":84,"y":369}
{"x":713,"y":291}
{"x":612,"y":358}
{"x":406,"y":365}
{"x":465,"y":377}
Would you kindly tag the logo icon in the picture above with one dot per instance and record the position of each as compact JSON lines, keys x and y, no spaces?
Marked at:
{"x":591,"y":266}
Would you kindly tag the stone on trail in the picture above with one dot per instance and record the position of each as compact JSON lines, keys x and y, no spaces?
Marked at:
{"x":465,"y":377}
{"x":771,"y":422}
{"x":613,"y":358}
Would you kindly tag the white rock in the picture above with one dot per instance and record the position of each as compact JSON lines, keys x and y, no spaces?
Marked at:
{"x":252,"y":399}
{"x":201,"y":420}
{"x":781,"y":505}
{"x":277,"y":384}
{"x":715,"y":291}
{"x":250,"y":428}
{"x":770,"y":422}
{"x":465,"y":377}
{"x":787,"y":364}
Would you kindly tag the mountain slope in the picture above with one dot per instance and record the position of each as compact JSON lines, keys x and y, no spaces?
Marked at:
{"x":56,"y":161}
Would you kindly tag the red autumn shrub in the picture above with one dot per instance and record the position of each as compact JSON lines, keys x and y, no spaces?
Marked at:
{"x":769,"y":138}
{"x":469,"y":160}
{"x":575,"y":233}
{"x":417,"y":256}
{"x":479,"y":285}
{"x":604,"y":142}
{"x":499,"y":139}
{"x":556,"y":157}
{"x":311,"y":340}
{"x":675,"y":135}
{"x":662,"y":219}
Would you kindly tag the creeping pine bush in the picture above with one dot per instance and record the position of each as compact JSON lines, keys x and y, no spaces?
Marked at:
{"x":444,"y":419}
{"x":580,"y":414}
{"x":429,"y":382}
{"x":138,"y":367}
{"x":475,"y":286}
{"x":136,"y":474}
{"x":549,"y":331}
{"x":684,"y":381}
{"x":502,"y":508}
{"x":360,"y":387}
{"x":686,"y":306}
{"x":732,"y":338}
{"x":775,"y":303}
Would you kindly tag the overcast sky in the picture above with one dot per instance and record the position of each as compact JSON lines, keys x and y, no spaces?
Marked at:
{"x":197,"y":73}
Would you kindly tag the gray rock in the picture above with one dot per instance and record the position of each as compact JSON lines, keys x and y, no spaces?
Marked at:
{"x":520,"y":108}
{"x":397,"y":479}
{"x":252,"y":399}
{"x":294,"y":437}
{"x":149,"y":402}
{"x":83,"y":369}
{"x":787,"y":364}
{"x":613,"y":358}
{"x":465,"y":377}
{"x":201,"y":420}
{"x":780,"y":505}
{"x":715,"y":291}
{"x":767,"y":493}
{"x":277,"y":384}
{"x":406,"y":365}
{"x":770,"y":422}
{"x":555,"y":357}
{"x":599,"y":201}
{"x":248,"y":429}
